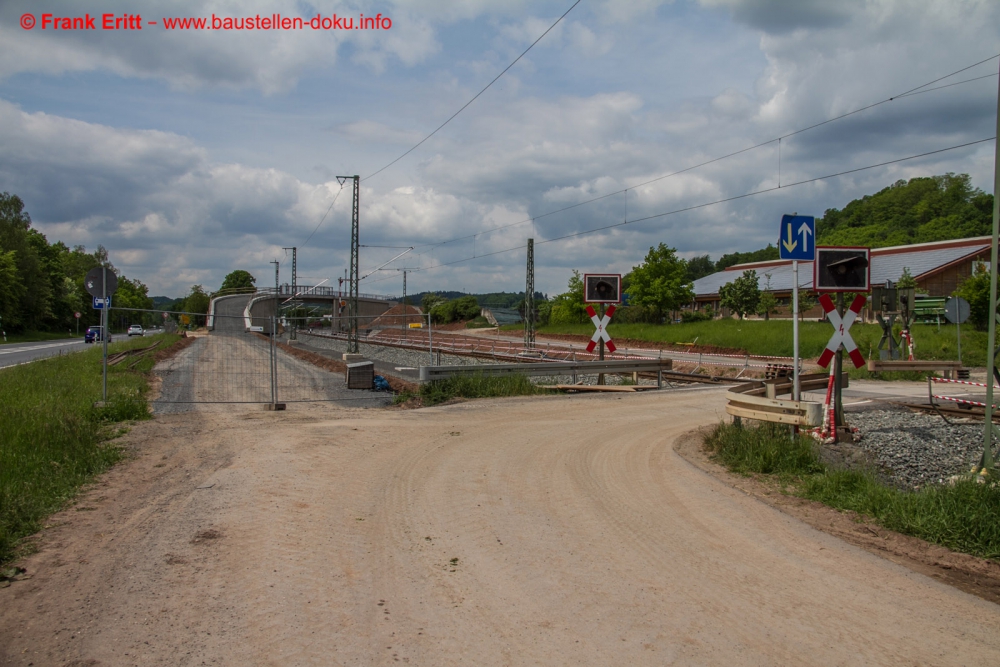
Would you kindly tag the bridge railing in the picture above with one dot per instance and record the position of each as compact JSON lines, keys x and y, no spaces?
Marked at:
{"x":321,"y":290}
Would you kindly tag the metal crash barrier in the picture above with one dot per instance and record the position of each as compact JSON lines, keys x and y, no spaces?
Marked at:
{"x":759,"y":400}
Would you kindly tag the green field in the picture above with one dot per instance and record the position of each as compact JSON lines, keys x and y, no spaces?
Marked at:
{"x":774,"y":337}
{"x":53,"y":437}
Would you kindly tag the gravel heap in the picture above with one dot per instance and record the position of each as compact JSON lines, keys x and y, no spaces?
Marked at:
{"x":915,"y":449}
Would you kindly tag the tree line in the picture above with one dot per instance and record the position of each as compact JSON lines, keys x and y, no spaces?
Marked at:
{"x":41,"y":283}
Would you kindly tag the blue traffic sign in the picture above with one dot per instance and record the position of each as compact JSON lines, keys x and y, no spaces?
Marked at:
{"x":797,"y":238}
{"x":99,"y":303}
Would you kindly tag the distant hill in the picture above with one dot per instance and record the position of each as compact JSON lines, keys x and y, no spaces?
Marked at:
{"x":488,"y":300}
{"x":163,"y":302}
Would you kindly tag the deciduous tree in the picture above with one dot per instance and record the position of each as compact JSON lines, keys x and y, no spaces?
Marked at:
{"x":741,"y":295}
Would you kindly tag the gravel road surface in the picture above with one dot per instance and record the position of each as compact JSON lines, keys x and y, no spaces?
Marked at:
{"x":549,"y":531}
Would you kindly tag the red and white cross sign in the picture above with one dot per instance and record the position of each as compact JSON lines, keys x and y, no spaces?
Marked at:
{"x":841,"y":331}
{"x":602,"y":328}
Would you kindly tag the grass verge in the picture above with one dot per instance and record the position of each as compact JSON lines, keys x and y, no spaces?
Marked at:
{"x":477,"y":386}
{"x":52,"y":437}
{"x":961,"y":516}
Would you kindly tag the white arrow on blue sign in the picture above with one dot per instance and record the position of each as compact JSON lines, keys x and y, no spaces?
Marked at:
{"x":797,"y":238}
{"x":99,"y":303}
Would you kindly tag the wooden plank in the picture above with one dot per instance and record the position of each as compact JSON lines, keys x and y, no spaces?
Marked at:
{"x":594,"y":387}
{"x":875,"y":365}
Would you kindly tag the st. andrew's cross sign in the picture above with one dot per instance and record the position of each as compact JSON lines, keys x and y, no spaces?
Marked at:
{"x":841,"y":330}
{"x":602,"y":328}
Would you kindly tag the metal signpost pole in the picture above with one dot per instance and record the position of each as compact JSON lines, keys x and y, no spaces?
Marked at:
{"x":989,"y":430}
{"x":600,"y":376}
{"x":796,"y":242}
{"x":795,"y":329}
{"x":104,"y":328}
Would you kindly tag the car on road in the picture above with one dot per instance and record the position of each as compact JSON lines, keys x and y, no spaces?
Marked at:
{"x":135,"y":330}
{"x":94,"y":334}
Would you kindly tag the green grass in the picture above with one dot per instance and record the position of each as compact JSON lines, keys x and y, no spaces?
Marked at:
{"x":37,"y":336}
{"x":774,"y":337}
{"x":478,"y":386}
{"x":766,"y":449}
{"x":961,"y":517}
{"x":53,"y":439}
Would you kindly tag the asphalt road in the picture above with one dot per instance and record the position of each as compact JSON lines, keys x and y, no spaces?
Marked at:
{"x":13,"y":354}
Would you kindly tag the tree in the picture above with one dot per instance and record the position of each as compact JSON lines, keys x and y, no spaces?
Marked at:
{"x":741,"y":295}
{"x":734,"y":258}
{"x":429,"y":300}
{"x":768,"y":302}
{"x":197,"y":301}
{"x":660,"y":282}
{"x":699,"y":267}
{"x":807,"y":300}
{"x":568,"y":307}
{"x":238,"y":279}
{"x":976,"y":290}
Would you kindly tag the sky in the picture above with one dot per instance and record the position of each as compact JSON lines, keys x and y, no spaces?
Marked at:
{"x":191,"y":153}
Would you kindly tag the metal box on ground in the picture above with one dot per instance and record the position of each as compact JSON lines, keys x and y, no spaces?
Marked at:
{"x":360,"y":375}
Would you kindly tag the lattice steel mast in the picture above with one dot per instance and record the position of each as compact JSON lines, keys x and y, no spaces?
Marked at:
{"x":352,"y":301}
{"x":295,"y":290}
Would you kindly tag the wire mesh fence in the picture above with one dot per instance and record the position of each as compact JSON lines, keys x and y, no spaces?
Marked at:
{"x":234,"y":362}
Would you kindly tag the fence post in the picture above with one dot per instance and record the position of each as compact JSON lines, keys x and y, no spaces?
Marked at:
{"x":272,"y":361}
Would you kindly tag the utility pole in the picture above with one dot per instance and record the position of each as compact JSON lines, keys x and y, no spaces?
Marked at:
{"x":529,"y":299}
{"x":295,"y":290}
{"x":989,"y":430}
{"x":403,"y":319}
{"x":352,"y":304}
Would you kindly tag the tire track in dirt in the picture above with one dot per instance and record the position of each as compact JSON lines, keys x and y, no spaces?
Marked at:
{"x":578,"y":536}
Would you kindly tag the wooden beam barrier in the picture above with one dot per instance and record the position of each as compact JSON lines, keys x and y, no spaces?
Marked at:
{"x":949,"y":368}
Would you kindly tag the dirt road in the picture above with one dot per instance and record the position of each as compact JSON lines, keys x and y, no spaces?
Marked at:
{"x":555,"y":531}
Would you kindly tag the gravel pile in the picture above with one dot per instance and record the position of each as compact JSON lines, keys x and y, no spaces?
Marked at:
{"x":916,"y":449}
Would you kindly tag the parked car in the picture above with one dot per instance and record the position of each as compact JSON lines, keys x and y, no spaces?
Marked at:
{"x":94,"y":334}
{"x":135,"y":330}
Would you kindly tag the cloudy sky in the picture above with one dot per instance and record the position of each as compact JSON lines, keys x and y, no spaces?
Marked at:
{"x":192,"y":153}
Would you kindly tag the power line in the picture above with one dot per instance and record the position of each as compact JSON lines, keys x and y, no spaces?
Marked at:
{"x":913,"y":91}
{"x":325,"y":214}
{"x":711,"y":203}
{"x":497,"y":77}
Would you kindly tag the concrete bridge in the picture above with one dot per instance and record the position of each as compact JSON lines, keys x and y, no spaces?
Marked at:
{"x":238,"y":312}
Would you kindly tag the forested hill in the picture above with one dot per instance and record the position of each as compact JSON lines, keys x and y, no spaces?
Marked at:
{"x":936,"y":208}
{"x":920,"y":210}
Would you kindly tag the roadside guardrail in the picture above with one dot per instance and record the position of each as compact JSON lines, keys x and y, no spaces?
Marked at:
{"x":759,"y":400}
